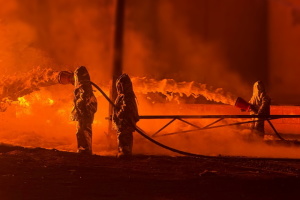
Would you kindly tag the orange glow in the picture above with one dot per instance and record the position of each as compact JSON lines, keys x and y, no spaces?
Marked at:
{"x":184,"y":60}
{"x":41,"y":119}
{"x":22,"y":102}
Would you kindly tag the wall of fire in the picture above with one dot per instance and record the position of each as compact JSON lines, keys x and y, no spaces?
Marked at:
{"x":222,"y":43}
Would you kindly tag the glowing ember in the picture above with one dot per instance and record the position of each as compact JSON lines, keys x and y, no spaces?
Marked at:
{"x":23,"y":102}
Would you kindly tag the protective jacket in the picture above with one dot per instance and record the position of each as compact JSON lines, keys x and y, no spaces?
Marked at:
{"x":125,"y":115}
{"x":85,"y":106}
{"x":260,"y":100}
{"x":260,"y":106}
{"x":85,"y":102}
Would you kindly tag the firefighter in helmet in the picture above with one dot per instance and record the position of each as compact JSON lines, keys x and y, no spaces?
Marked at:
{"x":260,"y":105}
{"x":85,"y":106}
{"x":125,"y":115}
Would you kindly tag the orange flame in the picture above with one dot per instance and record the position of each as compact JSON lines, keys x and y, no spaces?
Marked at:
{"x":13,"y":87}
{"x":169,"y":86}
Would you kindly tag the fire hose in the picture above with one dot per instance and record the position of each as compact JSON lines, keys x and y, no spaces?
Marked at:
{"x":142,"y":133}
{"x":66,"y":77}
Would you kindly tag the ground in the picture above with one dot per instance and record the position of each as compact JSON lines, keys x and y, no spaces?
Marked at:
{"x":36,"y":173}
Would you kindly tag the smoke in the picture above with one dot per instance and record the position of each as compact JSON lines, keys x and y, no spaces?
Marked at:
{"x":58,"y":34}
{"x":171,"y":46}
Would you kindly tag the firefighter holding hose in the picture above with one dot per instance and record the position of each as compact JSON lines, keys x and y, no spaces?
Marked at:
{"x":125,"y":115}
{"x":85,"y":106}
{"x":260,"y":105}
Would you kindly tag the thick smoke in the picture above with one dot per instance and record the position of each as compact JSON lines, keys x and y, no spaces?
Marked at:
{"x":170,"y":46}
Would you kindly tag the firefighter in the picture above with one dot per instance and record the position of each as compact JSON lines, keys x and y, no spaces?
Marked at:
{"x":125,"y":115}
{"x":260,"y":105}
{"x":85,"y":106}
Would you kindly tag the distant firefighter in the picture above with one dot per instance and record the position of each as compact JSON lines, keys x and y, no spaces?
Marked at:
{"x":260,"y":106}
{"x":125,"y":115}
{"x":85,"y":106}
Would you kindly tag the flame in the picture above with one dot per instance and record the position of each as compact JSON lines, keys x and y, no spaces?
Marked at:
{"x":13,"y":87}
{"x":23,"y":102}
{"x":169,"y":87}
{"x":50,"y":101}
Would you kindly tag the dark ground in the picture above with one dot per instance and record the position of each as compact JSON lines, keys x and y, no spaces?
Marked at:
{"x":51,"y":174}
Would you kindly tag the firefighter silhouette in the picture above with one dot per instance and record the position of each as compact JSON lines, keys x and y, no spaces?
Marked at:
{"x":125,"y":115}
{"x":85,"y":106}
{"x":260,"y":106}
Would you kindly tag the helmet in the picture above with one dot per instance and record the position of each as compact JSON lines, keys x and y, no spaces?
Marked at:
{"x":124,"y":84}
{"x":81,"y":75}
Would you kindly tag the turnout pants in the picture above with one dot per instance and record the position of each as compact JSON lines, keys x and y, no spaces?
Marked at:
{"x":125,"y":141}
{"x":84,"y":137}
